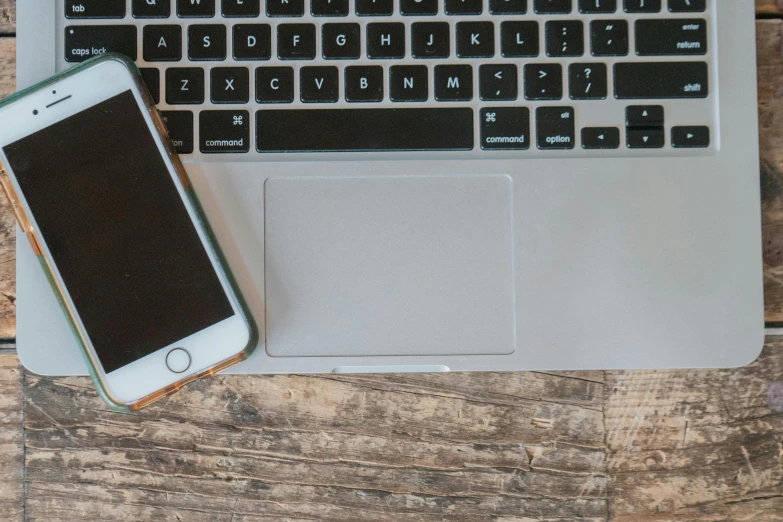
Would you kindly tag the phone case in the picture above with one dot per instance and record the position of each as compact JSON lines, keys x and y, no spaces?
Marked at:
{"x":24,"y":223}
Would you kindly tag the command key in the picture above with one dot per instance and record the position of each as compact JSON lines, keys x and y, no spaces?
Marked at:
{"x":505,"y":128}
{"x":224,"y":131}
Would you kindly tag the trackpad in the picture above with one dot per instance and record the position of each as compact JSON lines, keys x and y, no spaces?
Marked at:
{"x":389,"y":266}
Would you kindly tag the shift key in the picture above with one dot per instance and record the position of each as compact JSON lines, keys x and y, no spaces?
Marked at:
{"x":86,"y":41}
{"x":660,"y":80}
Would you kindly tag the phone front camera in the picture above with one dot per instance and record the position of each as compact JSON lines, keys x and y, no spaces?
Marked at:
{"x":35,"y":112}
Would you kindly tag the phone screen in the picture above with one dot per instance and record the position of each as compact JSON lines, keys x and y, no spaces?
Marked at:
{"x":118,"y":231}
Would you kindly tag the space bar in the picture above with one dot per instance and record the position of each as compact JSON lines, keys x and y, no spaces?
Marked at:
{"x":350,"y":130}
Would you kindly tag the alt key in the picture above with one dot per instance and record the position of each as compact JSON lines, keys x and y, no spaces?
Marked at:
{"x":505,"y":128}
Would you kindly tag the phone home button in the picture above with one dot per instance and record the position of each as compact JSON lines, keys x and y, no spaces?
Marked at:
{"x":178,"y":360}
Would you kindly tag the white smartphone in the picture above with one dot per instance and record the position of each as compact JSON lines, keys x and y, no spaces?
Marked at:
{"x":107,"y":206}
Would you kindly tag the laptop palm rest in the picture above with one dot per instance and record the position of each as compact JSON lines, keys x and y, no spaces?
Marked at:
{"x":414,"y":265}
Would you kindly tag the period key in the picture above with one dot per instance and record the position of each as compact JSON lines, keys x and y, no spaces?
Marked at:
{"x":505,"y":128}
{"x":224,"y":131}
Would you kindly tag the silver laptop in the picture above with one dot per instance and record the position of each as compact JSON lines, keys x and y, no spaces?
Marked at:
{"x":435,"y":185}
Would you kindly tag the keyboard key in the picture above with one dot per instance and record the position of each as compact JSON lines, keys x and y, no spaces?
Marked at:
{"x":224,"y":131}
{"x":386,"y":40}
{"x":364,"y":83}
{"x":156,"y":9}
{"x":319,"y":84}
{"x":609,"y":37}
{"x":329,"y":7}
{"x":162,"y":43}
{"x":644,"y":116}
{"x":552,"y":6}
{"x":671,"y":37}
{"x":475,"y":39}
{"x":296,"y":41}
{"x":207,"y":42}
{"x":646,"y":138}
{"x":430,"y":40}
{"x":505,"y":128}
{"x":374,"y":7}
{"x":252,"y":42}
{"x":463,"y":7}
{"x":661,"y":80}
{"x":94,"y":8}
{"x":498,"y":82}
{"x":284,"y":8}
{"x":587,"y":81}
{"x":86,"y":41}
{"x":230,"y":85}
{"x":565,"y":39}
{"x":364,"y":129}
{"x":501,"y":7}
{"x":597,"y":6}
{"x":408,"y":83}
{"x":555,"y":128}
{"x":600,"y":138}
{"x":453,"y":82}
{"x":184,"y":85}
{"x":180,"y":127}
{"x":687,"y":6}
{"x":274,"y":85}
{"x":418,"y":7}
{"x":543,"y":81}
{"x":151,"y":77}
{"x":519,"y":39}
{"x":241,"y":8}
{"x":196,"y":8}
{"x":642,"y":6}
{"x":690,"y":137}
{"x":341,"y":41}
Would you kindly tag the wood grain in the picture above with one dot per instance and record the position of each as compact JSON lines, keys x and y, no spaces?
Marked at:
{"x":11,"y":439}
{"x":769,"y":7}
{"x":7,"y":17}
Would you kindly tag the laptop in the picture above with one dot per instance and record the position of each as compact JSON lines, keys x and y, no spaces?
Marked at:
{"x":449,"y":185}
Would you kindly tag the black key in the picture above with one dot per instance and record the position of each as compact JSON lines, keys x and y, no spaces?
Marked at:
{"x":285,"y":7}
{"x":418,"y":7}
{"x":498,"y":82}
{"x":241,"y":8}
{"x":508,"y":6}
{"x":475,"y":39}
{"x":274,"y":85}
{"x":86,"y":41}
{"x":230,"y":85}
{"x":644,"y":116}
{"x":552,"y":6}
{"x":341,"y":41}
{"x":180,"y":127}
{"x":661,"y":80}
{"x":94,"y":8}
{"x":642,"y":6}
{"x":207,"y":42}
{"x":252,"y":42}
{"x":364,"y":129}
{"x":408,"y":83}
{"x":645,"y":138}
{"x":162,"y":43}
{"x":319,"y":84}
{"x":600,"y":138}
{"x":386,"y":40}
{"x":151,"y":77}
{"x":374,"y":7}
{"x":364,"y":83}
{"x":555,"y":128}
{"x":505,"y":128}
{"x":430,"y":39}
{"x":690,"y":137}
{"x":184,"y":85}
{"x":296,"y":41}
{"x":565,"y":39}
{"x":453,"y":82}
{"x":597,"y":6}
{"x":609,"y":37}
{"x":329,"y":7}
{"x":671,"y":37}
{"x":543,"y":81}
{"x":224,"y":131}
{"x":196,"y":8}
{"x":519,"y":39}
{"x":587,"y":81}
{"x":463,"y":7}
{"x":687,"y":6}
{"x":155,"y":9}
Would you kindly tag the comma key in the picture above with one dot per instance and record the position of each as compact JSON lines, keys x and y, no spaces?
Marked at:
{"x":555,"y":128}
{"x":505,"y":128}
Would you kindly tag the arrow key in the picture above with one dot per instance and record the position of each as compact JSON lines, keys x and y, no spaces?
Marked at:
{"x":697,"y":137}
{"x":646,"y":138}
{"x":498,"y":82}
{"x":600,"y":138}
{"x":644,"y":116}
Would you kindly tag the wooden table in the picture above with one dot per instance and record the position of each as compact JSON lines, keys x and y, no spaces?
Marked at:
{"x":646,"y":446}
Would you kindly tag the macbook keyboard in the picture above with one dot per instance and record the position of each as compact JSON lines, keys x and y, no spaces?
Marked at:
{"x":477,"y":78}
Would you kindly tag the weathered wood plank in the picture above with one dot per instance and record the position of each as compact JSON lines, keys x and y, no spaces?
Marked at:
{"x":769,"y":7}
{"x":11,"y":438}
{"x":7,"y":17}
{"x":7,"y":222}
